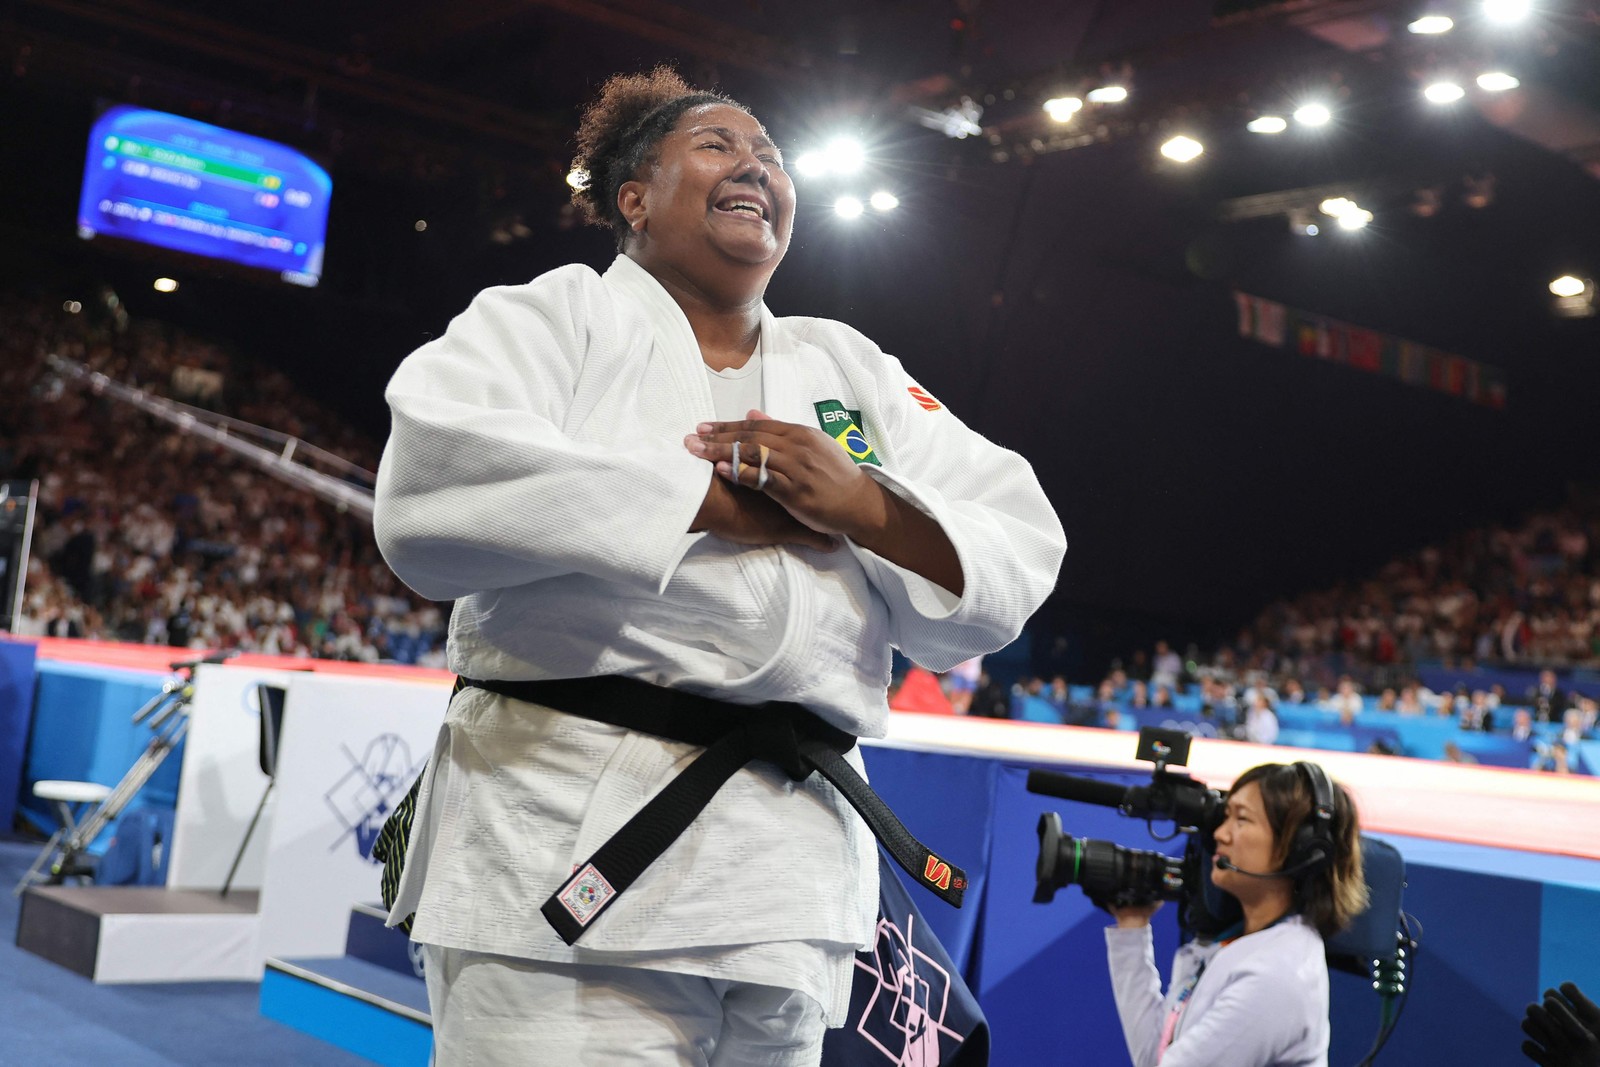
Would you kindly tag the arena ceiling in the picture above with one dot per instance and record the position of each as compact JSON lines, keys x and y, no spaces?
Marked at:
{"x":1063,"y":286}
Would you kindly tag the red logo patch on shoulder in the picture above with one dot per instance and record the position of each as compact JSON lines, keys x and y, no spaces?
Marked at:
{"x":924,"y":398}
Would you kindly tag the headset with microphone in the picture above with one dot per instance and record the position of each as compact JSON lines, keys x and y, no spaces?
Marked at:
{"x":1313,"y":847}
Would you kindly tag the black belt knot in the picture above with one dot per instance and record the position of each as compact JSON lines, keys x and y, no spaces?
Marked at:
{"x":781,"y":733}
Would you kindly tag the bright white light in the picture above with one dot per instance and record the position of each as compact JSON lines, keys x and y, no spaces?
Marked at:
{"x":883,"y":200}
{"x":1497,"y":81}
{"x":1182,"y":149}
{"x":1444,"y":92}
{"x":578,"y":178}
{"x":1336,"y":205}
{"x":1355,"y":218}
{"x":1108,"y":94}
{"x":811,"y":164}
{"x":845,"y":155}
{"x":421,"y":225}
{"x":1312,"y":229}
{"x":1507,"y":10}
{"x":1062,"y":108}
{"x":848,"y":207}
{"x":1312,"y":115}
{"x":1432,"y":24}
{"x":165,"y":285}
{"x":71,"y":307}
{"x":1267,"y":124}
{"x":1567,"y":285}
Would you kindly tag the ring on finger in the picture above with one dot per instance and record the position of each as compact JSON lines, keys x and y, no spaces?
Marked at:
{"x":734,"y":463}
{"x":761,"y":475}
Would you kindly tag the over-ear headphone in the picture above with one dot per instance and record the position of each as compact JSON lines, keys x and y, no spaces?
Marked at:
{"x":1313,"y":845}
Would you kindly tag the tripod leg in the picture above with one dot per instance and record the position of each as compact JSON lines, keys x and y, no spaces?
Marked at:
{"x":237,"y":856}
{"x":45,"y":855}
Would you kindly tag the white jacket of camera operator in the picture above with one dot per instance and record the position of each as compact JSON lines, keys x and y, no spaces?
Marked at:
{"x":1260,"y":1000}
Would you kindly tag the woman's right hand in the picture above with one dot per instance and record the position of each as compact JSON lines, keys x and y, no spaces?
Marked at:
{"x":747,"y":517}
{"x":1133,"y":916}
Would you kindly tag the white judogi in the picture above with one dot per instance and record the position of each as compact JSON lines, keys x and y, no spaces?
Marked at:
{"x":536,"y":472}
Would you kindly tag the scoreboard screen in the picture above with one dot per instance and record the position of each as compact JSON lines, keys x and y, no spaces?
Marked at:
{"x":169,"y":181}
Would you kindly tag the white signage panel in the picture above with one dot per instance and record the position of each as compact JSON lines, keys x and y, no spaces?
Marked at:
{"x":351,"y":747}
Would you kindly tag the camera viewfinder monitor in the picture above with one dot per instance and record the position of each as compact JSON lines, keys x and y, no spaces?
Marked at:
{"x":176,"y":183}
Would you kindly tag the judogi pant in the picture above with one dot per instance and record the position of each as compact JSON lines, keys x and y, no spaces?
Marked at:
{"x":501,"y":1011}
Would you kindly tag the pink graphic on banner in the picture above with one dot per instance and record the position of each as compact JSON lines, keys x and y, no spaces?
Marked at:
{"x":917,"y":990}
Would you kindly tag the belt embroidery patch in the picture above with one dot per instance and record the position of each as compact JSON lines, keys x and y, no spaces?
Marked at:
{"x":845,"y":426}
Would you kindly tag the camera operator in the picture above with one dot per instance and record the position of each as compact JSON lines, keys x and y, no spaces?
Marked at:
{"x":1258,"y":995}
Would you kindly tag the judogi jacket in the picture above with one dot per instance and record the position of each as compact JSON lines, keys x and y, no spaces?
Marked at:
{"x":536,"y":474}
{"x":1258,"y":1001}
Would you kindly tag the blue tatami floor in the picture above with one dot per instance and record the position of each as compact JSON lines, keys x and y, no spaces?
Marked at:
{"x":51,"y":1017}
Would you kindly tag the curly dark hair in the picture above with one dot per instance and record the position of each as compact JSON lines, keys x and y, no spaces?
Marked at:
{"x":619,"y":133}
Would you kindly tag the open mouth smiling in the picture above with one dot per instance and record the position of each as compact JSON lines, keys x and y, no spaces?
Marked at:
{"x":745,"y":206}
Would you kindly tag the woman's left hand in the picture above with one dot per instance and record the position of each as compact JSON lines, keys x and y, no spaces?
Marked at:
{"x":800,"y":467}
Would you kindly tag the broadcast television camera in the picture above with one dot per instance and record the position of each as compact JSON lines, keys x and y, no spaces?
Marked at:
{"x":1376,"y":944}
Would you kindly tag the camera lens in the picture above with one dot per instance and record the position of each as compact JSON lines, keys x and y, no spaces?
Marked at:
{"x":1107,"y":872}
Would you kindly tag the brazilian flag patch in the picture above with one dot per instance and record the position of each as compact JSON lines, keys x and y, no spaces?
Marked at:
{"x":844,"y":426}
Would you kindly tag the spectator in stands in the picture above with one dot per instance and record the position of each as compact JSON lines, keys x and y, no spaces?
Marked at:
{"x":1059,"y":695}
{"x":1139,"y":697}
{"x":1166,"y":667}
{"x":1294,"y":692}
{"x":1163,"y":698}
{"x":540,"y":470}
{"x":1260,"y":721}
{"x":990,"y":700}
{"x":1552,"y":758}
{"x":1573,"y":730}
{"x":1388,"y":700}
{"x":1549,"y":700}
{"x":1346,"y":699}
{"x":1258,"y":998}
{"x":1522,"y":725}
{"x":1478,"y":714}
{"x":1410,"y":702}
{"x":1454,"y":754}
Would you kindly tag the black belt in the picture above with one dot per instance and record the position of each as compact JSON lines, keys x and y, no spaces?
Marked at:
{"x":782,"y":733}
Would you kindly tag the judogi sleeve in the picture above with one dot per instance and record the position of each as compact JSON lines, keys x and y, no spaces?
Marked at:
{"x":479,"y":488}
{"x":991,"y":507}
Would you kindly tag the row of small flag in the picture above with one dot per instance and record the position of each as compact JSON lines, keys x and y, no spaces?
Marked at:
{"x":1320,"y":337}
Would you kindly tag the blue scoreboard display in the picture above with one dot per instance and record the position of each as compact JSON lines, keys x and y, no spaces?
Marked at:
{"x":173,"y":182}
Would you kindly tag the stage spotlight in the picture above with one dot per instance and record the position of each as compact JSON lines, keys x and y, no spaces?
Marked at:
{"x":1108,"y":94}
{"x":1497,"y":81}
{"x":1182,"y":149}
{"x":848,"y":207}
{"x":578,"y":178}
{"x":1267,"y":124}
{"x":1336,"y":205}
{"x":1313,"y":115}
{"x":1574,"y":297}
{"x":882,"y":200}
{"x":165,"y":285}
{"x":845,"y":155}
{"x":1354,"y":219}
{"x":420,"y":225}
{"x":71,"y":307}
{"x":810,"y":164}
{"x":1062,"y":108}
{"x":1432,"y":24}
{"x":1507,"y":10}
{"x":1443,"y":92}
